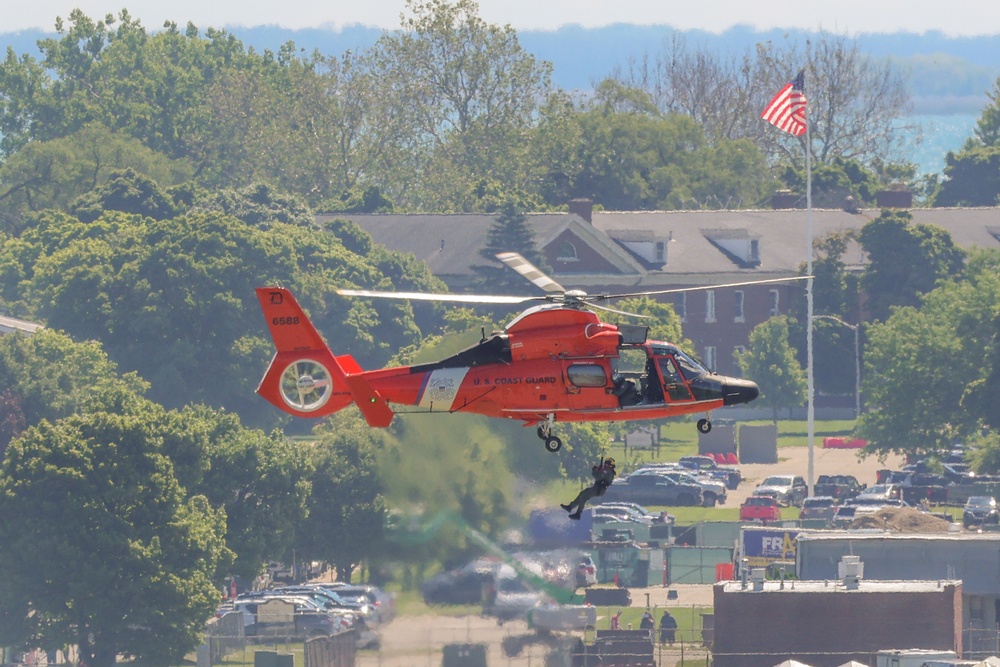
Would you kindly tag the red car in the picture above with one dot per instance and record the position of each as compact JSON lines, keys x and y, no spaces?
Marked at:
{"x":760,"y":508}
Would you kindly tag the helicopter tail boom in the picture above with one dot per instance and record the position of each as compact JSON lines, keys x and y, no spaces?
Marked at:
{"x":304,"y":378}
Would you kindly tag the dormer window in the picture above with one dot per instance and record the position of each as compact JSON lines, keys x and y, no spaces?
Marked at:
{"x":567,"y":252}
{"x":739,"y":245}
{"x":661,"y":252}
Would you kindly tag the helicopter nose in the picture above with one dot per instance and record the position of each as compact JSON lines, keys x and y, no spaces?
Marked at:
{"x":737,"y":391}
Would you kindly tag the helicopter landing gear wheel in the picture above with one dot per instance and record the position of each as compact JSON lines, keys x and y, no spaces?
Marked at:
{"x":704,"y":426}
{"x":552,"y":443}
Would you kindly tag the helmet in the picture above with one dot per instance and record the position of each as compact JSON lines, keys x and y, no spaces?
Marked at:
{"x":609,"y":461}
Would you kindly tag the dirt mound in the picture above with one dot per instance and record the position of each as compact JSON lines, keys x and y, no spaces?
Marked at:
{"x":902,"y":520}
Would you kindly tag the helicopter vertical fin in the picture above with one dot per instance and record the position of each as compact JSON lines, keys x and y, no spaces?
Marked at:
{"x":304,"y":378}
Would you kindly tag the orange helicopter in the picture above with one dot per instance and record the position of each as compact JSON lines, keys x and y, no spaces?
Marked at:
{"x":556,"y":361}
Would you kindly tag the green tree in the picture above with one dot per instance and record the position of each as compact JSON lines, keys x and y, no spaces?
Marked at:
{"x":632,"y":157}
{"x":48,"y":376}
{"x":347,"y":512}
{"x":971,"y":178}
{"x":922,"y":361}
{"x":510,"y":232}
{"x":172,"y":298}
{"x":473,"y":92}
{"x":771,"y":362}
{"x":92,"y":520}
{"x":260,"y":481}
{"x":51,"y":174}
{"x":855,"y":101}
{"x":128,"y":192}
{"x":905,"y":261}
{"x":663,"y":321}
{"x":834,"y":181}
{"x":987,"y":130}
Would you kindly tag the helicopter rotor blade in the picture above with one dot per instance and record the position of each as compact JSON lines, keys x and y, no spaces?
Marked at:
{"x":515,"y":261}
{"x":591,"y":304}
{"x":607,"y":297}
{"x":458,"y":298}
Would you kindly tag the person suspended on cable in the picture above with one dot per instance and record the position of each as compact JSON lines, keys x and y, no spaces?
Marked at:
{"x":604,"y":474}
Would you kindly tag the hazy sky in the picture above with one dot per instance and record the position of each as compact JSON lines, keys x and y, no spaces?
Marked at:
{"x":958,"y":17}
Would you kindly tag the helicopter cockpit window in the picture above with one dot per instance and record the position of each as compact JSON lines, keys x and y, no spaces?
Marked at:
{"x":673,"y":383}
{"x":689,"y":367}
{"x":586,"y":375}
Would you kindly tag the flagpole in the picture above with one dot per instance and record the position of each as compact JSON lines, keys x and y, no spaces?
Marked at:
{"x":809,"y":313}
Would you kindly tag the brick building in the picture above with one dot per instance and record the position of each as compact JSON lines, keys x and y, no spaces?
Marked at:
{"x":828,"y":623}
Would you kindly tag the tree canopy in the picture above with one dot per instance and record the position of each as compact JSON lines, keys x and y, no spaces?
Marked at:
{"x":924,"y":360}
{"x":93,"y":517}
{"x":771,"y":362}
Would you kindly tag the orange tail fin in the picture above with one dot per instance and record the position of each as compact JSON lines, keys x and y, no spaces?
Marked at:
{"x":304,"y":378}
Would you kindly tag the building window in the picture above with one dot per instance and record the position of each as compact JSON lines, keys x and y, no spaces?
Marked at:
{"x":567,"y":252}
{"x":710,"y":357}
{"x":976,"y":608}
{"x":738,"y":307}
{"x":774,"y":303}
{"x":682,"y":306}
{"x":710,"y":306}
{"x":661,"y":254}
{"x":755,"y":251}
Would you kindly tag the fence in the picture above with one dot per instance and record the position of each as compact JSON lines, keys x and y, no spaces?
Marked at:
{"x":225,"y":642}
{"x":425,"y":641}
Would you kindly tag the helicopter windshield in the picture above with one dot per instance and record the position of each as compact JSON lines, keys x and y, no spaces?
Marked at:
{"x":689,"y":367}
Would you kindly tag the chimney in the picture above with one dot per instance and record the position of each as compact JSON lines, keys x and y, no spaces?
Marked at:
{"x":583,"y":208}
{"x":894,"y":199}
{"x":784,"y":199}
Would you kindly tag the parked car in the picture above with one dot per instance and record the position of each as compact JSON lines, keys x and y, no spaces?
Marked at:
{"x":818,"y":507}
{"x":980,"y":510}
{"x":959,"y":473}
{"x":881,"y":491}
{"x":713,"y":490}
{"x":615,"y":512}
{"x":306,"y":621}
{"x":653,"y":490}
{"x":586,"y":572}
{"x":839,"y":487}
{"x":786,"y":489}
{"x":331,"y":600}
{"x":384,"y":604}
{"x":731,"y":475}
{"x":760,"y":508}
{"x":635,"y":507}
{"x":464,"y":585}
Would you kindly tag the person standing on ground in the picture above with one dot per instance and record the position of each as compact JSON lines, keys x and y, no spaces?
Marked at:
{"x":668,"y":628}
{"x":647,"y":623}
{"x":604,"y":474}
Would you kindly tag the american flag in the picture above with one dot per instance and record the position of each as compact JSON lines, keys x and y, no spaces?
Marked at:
{"x":787,"y":111}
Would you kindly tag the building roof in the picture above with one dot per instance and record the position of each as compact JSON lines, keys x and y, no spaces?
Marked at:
{"x":693,"y":240}
{"x":864,"y":536}
{"x":10,"y":325}
{"x":800,"y":587}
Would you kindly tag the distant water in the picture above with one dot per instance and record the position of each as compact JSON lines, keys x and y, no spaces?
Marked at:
{"x":940,"y":134}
